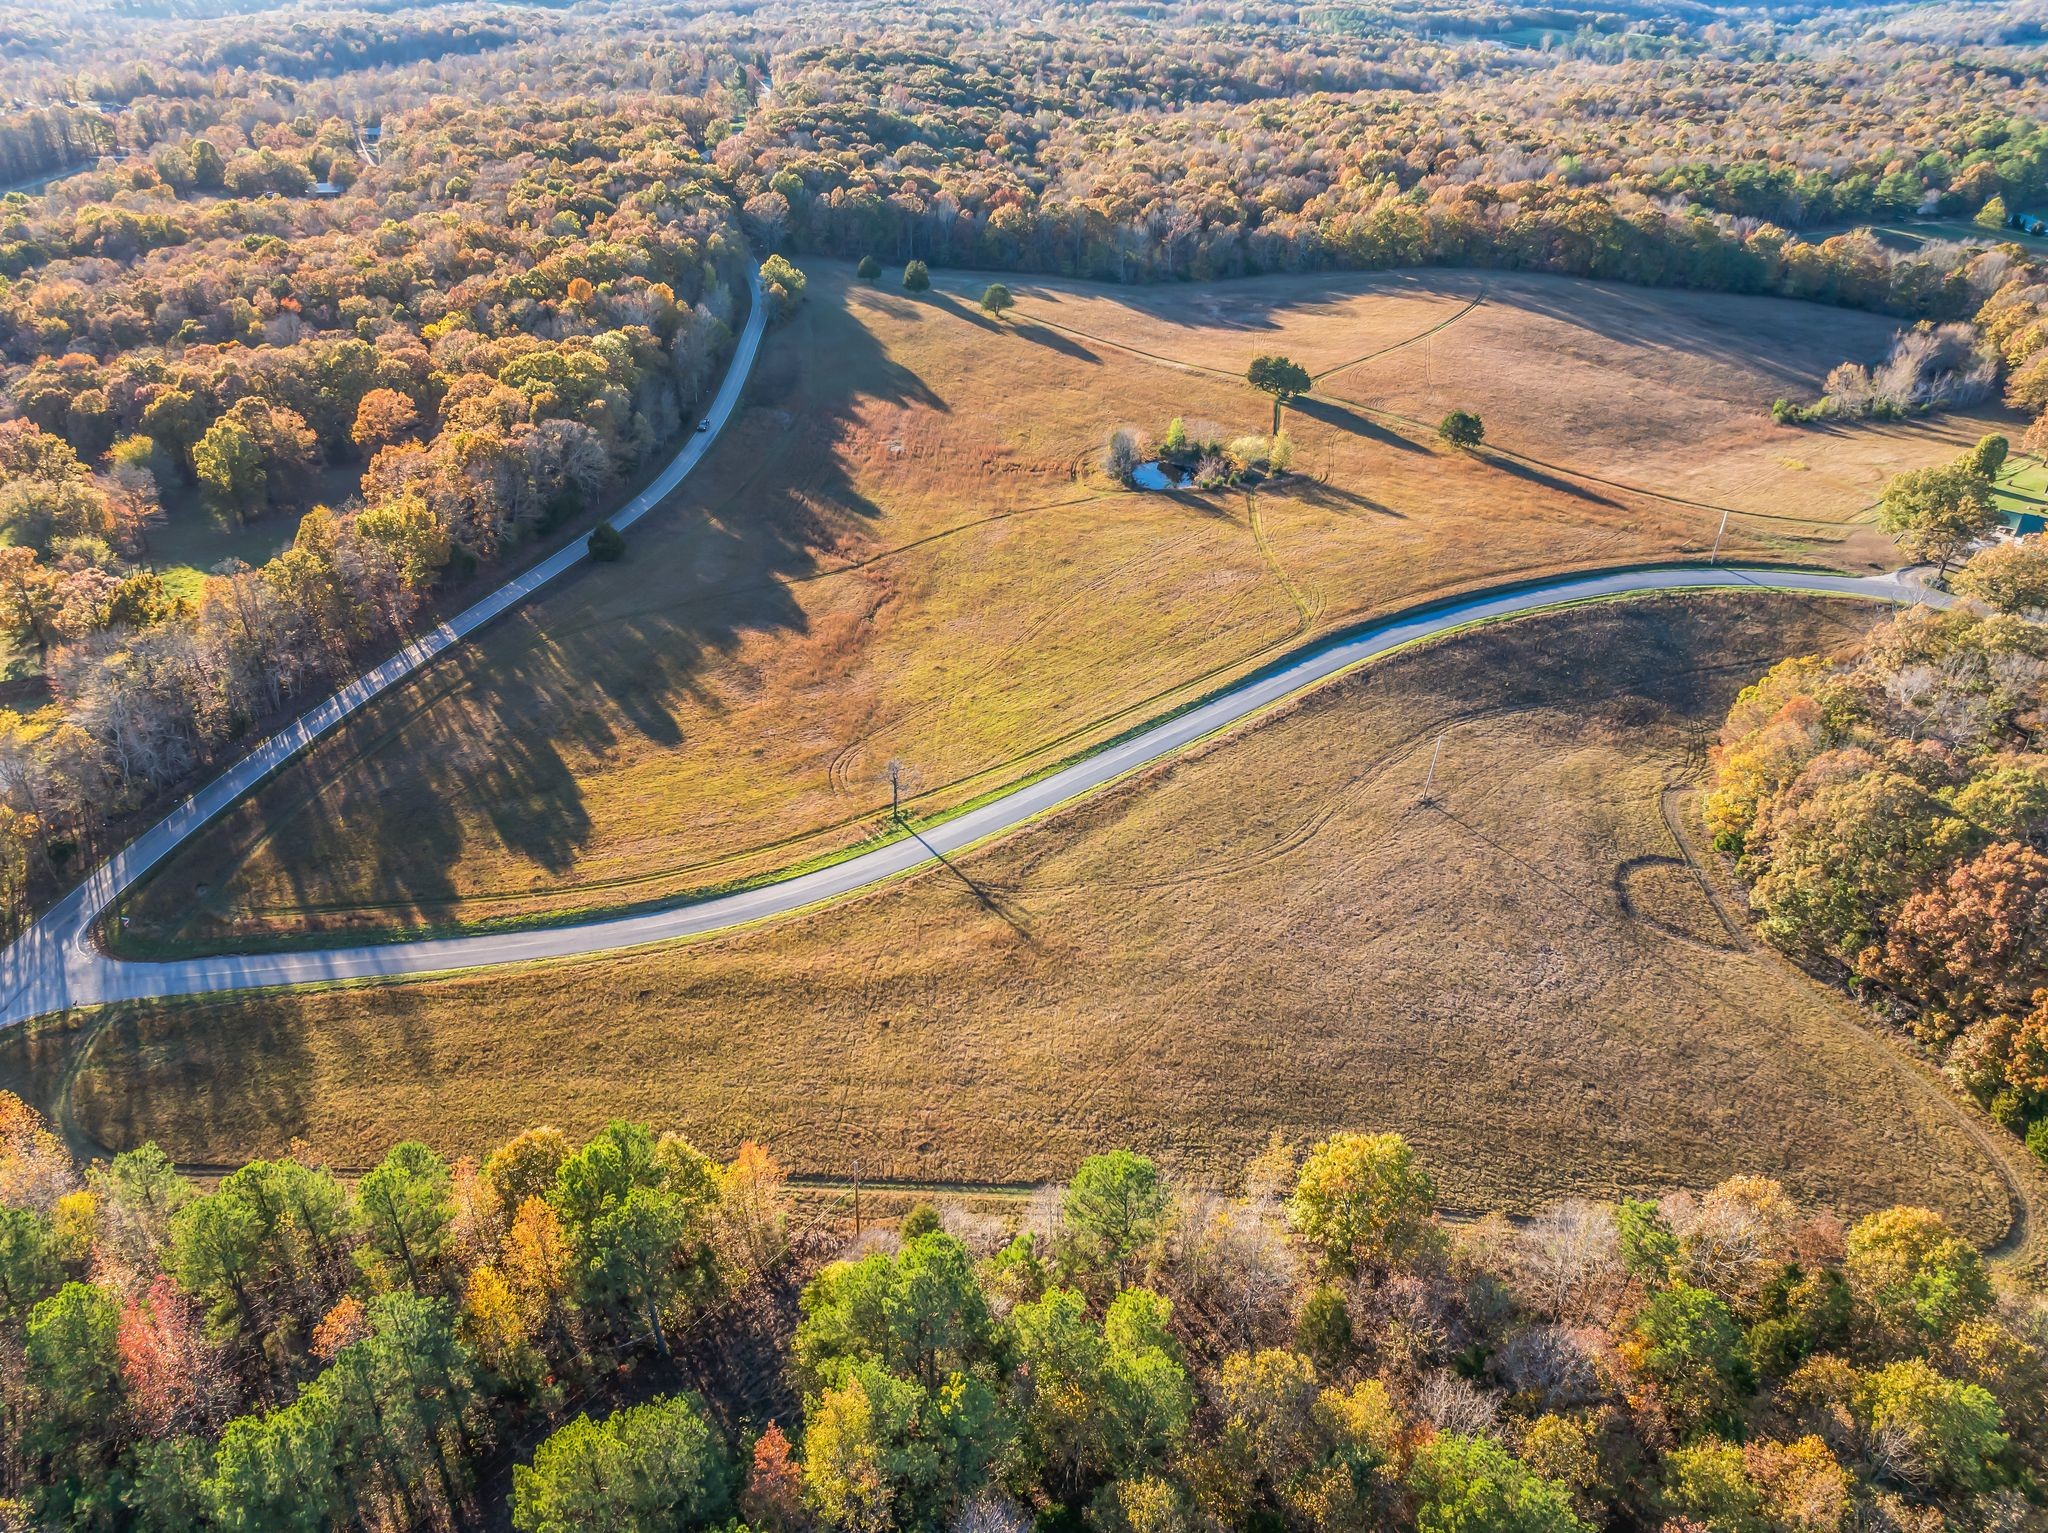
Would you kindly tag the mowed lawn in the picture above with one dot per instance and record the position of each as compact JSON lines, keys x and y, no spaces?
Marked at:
{"x":905,"y":552}
{"x":2022,"y":486}
{"x":1270,"y":934}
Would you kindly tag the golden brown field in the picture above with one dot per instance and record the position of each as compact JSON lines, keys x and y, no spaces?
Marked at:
{"x":904,"y":551}
{"x":1269,"y":934}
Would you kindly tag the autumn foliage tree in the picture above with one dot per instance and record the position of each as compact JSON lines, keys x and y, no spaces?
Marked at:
{"x":1890,"y":808}
{"x":383,"y":417}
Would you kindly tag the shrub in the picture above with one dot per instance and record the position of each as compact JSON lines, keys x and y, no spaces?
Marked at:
{"x":1988,"y":456}
{"x":606,"y":543}
{"x":869,"y":268}
{"x":917,"y":277}
{"x":995,"y":299}
{"x":1324,"y":1329}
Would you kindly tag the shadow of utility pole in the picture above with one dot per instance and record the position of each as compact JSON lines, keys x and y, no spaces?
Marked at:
{"x":983,"y":896}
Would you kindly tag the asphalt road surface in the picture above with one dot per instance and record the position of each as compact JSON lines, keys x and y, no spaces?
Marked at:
{"x":55,"y":964}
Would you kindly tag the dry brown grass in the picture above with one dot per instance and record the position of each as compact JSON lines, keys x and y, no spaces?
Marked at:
{"x":1268,"y":934}
{"x":1611,"y":386}
{"x":904,"y":551}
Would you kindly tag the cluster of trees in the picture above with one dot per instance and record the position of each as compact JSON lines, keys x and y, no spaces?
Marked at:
{"x":1930,"y":367}
{"x":1890,"y":811}
{"x":1938,"y":514}
{"x":287,"y":1351}
{"x":1318,"y":1352}
{"x":469,"y":346}
{"x":1199,"y":454}
{"x":1313,"y":1350}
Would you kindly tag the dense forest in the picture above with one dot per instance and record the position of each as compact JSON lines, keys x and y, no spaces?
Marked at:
{"x":626,"y":1334}
{"x":1890,"y":810}
{"x":462,"y":337}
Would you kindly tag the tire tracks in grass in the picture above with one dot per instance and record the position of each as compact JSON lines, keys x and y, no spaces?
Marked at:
{"x":1420,"y":335}
{"x":1303,"y":611}
{"x":1425,"y":429}
{"x":2021,"y":1249}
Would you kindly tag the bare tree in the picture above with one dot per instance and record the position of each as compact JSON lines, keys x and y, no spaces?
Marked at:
{"x":1568,"y":1260}
{"x":1120,"y":458}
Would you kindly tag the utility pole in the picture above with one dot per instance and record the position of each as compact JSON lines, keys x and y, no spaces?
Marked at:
{"x":896,"y":791}
{"x":1715,"y":556}
{"x":1428,"y":799}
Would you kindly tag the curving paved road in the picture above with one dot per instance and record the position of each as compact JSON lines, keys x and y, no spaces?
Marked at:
{"x":55,"y":964}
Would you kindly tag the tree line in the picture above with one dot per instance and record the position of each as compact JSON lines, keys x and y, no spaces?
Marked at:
{"x":1313,"y":1349}
{"x":1889,"y":809}
{"x":474,"y":343}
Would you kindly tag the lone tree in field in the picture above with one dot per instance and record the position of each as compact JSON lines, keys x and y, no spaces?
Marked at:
{"x":869,"y":268}
{"x":917,"y":277}
{"x":1937,"y":513}
{"x":1461,"y":429}
{"x":1277,"y":376}
{"x":605,"y":543}
{"x":996,"y":299}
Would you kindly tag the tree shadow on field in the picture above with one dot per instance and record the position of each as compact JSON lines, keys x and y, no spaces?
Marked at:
{"x":1549,"y":481}
{"x":1334,"y":497}
{"x":1342,"y":417}
{"x":220,"y":1083}
{"x":611,"y":657}
{"x":947,"y":302}
{"x":1789,"y":343}
{"x":1053,"y":340}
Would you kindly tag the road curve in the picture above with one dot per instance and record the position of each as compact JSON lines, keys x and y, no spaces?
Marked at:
{"x":55,"y":964}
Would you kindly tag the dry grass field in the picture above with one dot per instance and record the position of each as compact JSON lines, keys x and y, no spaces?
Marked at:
{"x":1611,"y":388}
{"x":1267,"y":934}
{"x":903,"y":551}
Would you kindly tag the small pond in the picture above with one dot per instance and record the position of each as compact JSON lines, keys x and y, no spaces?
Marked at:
{"x":1151,"y":476}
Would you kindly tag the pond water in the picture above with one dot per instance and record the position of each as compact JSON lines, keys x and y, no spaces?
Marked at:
{"x":1150,"y":476}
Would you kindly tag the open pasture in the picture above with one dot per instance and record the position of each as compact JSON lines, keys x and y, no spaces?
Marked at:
{"x":1525,"y":977}
{"x":903,"y":551}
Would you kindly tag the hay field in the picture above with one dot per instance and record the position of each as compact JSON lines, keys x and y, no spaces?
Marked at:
{"x":904,"y":552}
{"x":1610,"y":386}
{"x":1268,"y":934}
